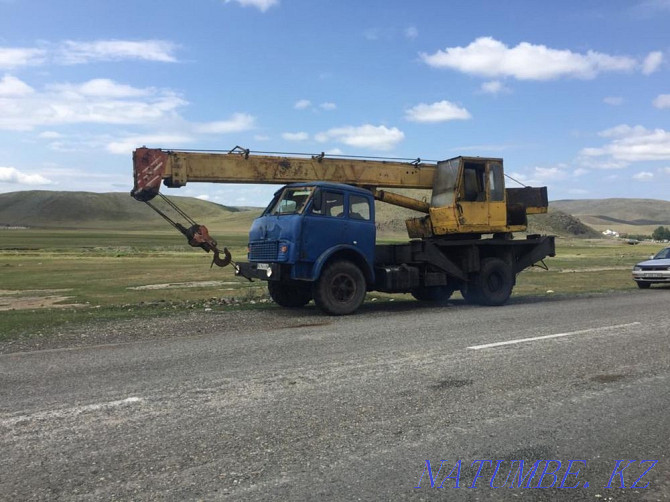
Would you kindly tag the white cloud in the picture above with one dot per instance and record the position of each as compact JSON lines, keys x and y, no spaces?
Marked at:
{"x":202,"y":197}
{"x":578,"y":191}
{"x":490,"y":58}
{"x":662,"y":101}
{"x":441,"y":111}
{"x":494,"y":87}
{"x":12,"y":87}
{"x":365,"y":136}
{"x":126,"y":145}
{"x":13,"y":175}
{"x":237,"y":123}
{"x":262,"y":5}
{"x":72,"y":52}
{"x":411,"y":32}
{"x":98,"y":101}
{"x":651,"y":7}
{"x":295,"y":136}
{"x":328,"y":106}
{"x":100,"y":88}
{"x":16,"y":57}
{"x":50,"y":135}
{"x":613,"y":100}
{"x":632,"y":144}
{"x":643,"y":176}
{"x":550,"y":173}
{"x":302,"y":104}
{"x":652,"y":62}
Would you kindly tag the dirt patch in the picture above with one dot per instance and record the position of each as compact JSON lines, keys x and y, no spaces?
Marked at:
{"x":181,"y":285}
{"x":593,"y":269}
{"x":35,"y":302}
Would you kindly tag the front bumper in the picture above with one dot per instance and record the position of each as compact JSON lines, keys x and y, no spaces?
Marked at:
{"x":651,"y":275}
{"x":261,"y":271}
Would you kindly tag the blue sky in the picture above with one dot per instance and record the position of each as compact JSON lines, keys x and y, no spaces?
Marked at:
{"x":574,"y":95}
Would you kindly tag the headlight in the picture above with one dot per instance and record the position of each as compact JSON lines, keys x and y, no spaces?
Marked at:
{"x":637,"y":269}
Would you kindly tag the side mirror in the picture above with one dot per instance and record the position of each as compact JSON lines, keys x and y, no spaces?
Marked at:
{"x":317,"y":199}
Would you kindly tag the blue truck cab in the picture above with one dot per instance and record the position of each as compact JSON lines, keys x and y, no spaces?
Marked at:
{"x":315,"y":240}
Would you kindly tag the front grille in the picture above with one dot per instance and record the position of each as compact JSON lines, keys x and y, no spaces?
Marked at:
{"x":263,"y":251}
{"x":664,"y":268}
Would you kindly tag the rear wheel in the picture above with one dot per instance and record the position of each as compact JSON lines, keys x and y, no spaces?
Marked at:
{"x":643,"y":285}
{"x":494,"y":282}
{"x":471,"y":293}
{"x":341,"y":288}
{"x":435,"y":294}
{"x":290,"y":295}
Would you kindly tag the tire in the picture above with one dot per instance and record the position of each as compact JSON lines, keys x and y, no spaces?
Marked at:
{"x":434,"y":294}
{"x":341,"y":288}
{"x":494,"y":282}
{"x":470,"y":293}
{"x":643,"y":285}
{"x":291,"y":295}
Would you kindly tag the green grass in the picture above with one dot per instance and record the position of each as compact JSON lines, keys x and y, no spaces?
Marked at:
{"x":96,"y":270}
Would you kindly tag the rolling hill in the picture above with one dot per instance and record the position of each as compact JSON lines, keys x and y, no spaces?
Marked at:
{"x":633,"y":216}
{"x":110,"y":211}
{"x":118,"y":211}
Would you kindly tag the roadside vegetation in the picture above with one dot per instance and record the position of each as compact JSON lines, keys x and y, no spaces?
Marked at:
{"x":55,"y":278}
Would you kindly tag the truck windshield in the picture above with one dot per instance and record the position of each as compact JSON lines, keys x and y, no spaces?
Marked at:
{"x":291,"y":201}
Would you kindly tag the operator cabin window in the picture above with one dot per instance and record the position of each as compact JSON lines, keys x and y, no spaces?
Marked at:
{"x":359,"y":207}
{"x":496,"y":183}
{"x":473,"y":182}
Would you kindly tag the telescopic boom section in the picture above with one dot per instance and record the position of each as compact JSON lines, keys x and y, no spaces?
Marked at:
{"x":175,"y":169}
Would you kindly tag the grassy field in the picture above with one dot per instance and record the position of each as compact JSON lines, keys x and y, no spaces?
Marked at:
{"x":53,"y":278}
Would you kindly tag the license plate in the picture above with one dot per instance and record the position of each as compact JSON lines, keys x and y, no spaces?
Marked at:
{"x":263,"y":266}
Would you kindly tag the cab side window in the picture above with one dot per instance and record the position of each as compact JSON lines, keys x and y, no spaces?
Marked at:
{"x":334,"y":204}
{"x":496,"y":183}
{"x":330,"y":204}
{"x":473,"y":182}
{"x":359,"y":207}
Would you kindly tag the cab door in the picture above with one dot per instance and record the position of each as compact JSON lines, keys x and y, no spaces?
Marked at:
{"x":324,"y":224}
{"x":472,"y":206}
{"x":495,"y":189}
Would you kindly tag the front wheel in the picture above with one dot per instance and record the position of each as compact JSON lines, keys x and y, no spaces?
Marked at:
{"x":341,"y":288}
{"x":643,"y":285}
{"x":289,"y":294}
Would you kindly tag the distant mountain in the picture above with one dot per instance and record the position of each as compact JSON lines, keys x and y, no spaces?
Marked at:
{"x":114,"y":211}
{"x":119,"y":211}
{"x":635,"y":216}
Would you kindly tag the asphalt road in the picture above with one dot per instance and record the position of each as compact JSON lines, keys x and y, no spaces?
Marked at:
{"x":292,"y":405}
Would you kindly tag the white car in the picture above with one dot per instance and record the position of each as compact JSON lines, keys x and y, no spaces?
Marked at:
{"x":656,"y":270}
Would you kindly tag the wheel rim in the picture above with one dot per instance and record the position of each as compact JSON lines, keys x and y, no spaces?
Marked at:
{"x":343,"y":288}
{"x":494,"y":282}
